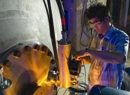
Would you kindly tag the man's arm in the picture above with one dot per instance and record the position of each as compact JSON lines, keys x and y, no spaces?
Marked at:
{"x":109,"y":57}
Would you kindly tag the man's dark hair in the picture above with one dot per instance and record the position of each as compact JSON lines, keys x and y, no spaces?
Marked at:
{"x":97,"y":10}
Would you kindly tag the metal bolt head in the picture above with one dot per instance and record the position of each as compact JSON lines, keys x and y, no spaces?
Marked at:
{"x":17,"y":54}
{"x":27,"y":48}
{"x":36,"y":47}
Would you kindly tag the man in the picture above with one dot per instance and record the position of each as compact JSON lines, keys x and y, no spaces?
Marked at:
{"x":108,"y":51}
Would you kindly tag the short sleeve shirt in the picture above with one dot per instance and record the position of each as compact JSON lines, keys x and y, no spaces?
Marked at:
{"x":104,"y":73}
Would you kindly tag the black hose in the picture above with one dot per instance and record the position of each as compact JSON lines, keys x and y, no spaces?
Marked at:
{"x":51,"y":25}
{"x":62,"y":14}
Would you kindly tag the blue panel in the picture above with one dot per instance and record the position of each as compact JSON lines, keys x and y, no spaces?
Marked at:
{"x":72,"y":1}
{"x":67,"y":20}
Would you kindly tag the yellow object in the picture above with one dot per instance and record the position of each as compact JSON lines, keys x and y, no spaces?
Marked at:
{"x":63,"y":56}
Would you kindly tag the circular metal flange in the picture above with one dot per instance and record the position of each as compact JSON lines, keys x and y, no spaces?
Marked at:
{"x":26,"y":64}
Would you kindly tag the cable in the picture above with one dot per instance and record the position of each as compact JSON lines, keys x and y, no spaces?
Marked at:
{"x":46,"y":8}
{"x":51,"y":25}
{"x":85,"y":72}
{"x":65,"y":91}
{"x":81,"y":75}
{"x":83,"y":24}
{"x":64,"y":39}
{"x":57,"y":91}
{"x":62,"y":15}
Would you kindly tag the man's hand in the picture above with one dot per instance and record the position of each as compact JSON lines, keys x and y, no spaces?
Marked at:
{"x":79,"y":55}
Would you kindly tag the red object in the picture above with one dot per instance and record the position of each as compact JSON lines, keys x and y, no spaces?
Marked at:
{"x":63,"y":21}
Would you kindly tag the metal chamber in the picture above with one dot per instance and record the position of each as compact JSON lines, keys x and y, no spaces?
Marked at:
{"x":25,"y":65}
{"x":26,"y":20}
{"x":26,"y":51}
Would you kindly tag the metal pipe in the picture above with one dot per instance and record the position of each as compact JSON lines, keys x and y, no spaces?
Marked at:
{"x":63,"y":56}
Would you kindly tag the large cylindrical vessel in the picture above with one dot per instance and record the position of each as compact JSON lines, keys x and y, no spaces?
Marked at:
{"x":26,"y":50}
{"x":26,"y":20}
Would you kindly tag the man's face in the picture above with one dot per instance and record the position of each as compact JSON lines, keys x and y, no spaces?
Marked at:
{"x":97,"y":24}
